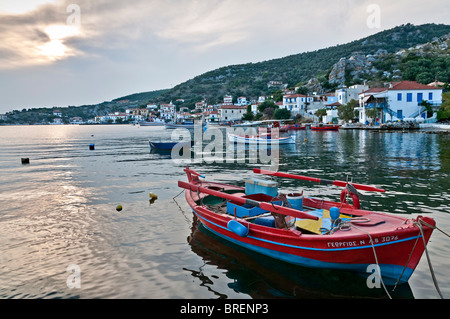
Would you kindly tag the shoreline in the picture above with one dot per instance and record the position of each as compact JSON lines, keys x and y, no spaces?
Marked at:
{"x":422,"y":128}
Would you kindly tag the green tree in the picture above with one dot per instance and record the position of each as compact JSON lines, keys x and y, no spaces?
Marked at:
{"x":444,"y":109}
{"x":347,"y":112}
{"x":320,"y":113}
{"x":266,"y":104}
{"x":282,"y":114}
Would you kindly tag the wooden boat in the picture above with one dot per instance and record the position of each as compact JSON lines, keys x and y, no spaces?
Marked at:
{"x":324,"y":234}
{"x":188,"y":125}
{"x":296,"y":127}
{"x":261,"y":139}
{"x":154,"y":123}
{"x":168,"y":146}
{"x":324,"y":127}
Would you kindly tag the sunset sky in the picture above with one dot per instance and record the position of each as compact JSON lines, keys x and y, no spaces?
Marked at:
{"x":60,"y":53}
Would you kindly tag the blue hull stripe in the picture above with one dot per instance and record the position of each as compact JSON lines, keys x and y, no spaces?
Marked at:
{"x":317,"y":249}
{"x":390,"y":273}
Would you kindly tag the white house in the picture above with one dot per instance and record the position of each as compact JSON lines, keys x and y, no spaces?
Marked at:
{"x":57,"y":113}
{"x":399,"y":100}
{"x":405,"y":98}
{"x":332,"y":112}
{"x":241,"y":101}
{"x":228,"y":100}
{"x":211,"y":116}
{"x":345,"y":95}
{"x":231,"y":113}
{"x":112,"y":117}
{"x":167,"y":111}
{"x":76,"y":120}
{"x":296,"y":103}
{"x":374,"y":97}
{"x":201,"y":105}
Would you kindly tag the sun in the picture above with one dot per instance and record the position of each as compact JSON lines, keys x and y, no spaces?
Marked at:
{"x":56,"y":48}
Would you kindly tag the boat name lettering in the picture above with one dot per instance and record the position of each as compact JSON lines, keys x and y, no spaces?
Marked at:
{"x":337,"y":244}
{"x":389,"y":238}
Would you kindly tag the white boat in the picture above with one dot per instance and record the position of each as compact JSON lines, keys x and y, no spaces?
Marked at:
{"x":261,"y":139}
{"x":188,"y":125}
{"x":151,"y":123}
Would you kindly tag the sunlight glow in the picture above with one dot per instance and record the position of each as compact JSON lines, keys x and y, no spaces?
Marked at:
{"x":56,"y":49}
{"x":22,"y":6}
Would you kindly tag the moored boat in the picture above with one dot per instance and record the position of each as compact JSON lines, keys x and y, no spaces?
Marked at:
{"x":325,"y":127}
{"x":296,"y":127}
{"x":268,"y":139}
{"x":310,"y":232}
{"x":168,"y":146}
{"x":154,"y":123}
{"x":182,"y":125}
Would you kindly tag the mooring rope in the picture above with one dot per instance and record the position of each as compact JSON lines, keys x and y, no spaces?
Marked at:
{"x":419,"y":224}
{"x":376,"y":258}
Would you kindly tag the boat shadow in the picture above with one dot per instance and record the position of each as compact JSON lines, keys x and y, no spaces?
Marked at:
{"x":263,"y":277}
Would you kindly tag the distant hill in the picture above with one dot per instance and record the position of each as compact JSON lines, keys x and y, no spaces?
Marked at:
{"x":251,"y":79}
{"x":407,"y":52}
{"x":142,"y":97}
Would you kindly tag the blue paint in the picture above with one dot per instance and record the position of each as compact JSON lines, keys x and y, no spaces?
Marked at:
{"x":389,"y":272}
{"x":237,"y":228}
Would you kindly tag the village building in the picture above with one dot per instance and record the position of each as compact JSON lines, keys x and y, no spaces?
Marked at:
{"x":228,"y":113}
{"x":167,"y":111}
{"x":241,"y":101}
{"x":296,"y":103}
{"x":400,"y":101}
{"x":116,"y":117}
{"x":76,"y":120}
{"x":332,"y":112}
{"x":228,"y":100}
{"x":201,"y":105}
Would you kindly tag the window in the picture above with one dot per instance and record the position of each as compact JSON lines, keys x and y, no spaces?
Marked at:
{"x":399,"y":96}
{"x":408,"y":97}
{"x":430,"y":96}
{"x":419,"y":97}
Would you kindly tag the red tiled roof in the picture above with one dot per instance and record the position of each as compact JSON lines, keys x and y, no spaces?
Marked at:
{"x":232,"y":107}
{"x":334,"y":104}
{"x":411,"y":85}
{"x":294,"y":95}
{"x":374,"y":90}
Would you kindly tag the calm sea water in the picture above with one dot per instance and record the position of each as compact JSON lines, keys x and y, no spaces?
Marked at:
{"x":59,"y":212}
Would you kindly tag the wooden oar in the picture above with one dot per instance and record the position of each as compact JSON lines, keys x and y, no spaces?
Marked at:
{"x":319,"y":180}
{"x":263,"y":205}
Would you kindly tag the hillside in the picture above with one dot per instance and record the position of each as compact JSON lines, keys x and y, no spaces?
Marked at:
{"x":408,"y":52}
{"x":251,"y":79}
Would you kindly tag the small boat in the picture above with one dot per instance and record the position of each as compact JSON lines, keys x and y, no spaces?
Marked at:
{"x":296,"y":127}
{"x":310,"y":232}
{"x":261,"y":139}
{"x":247,"y":124}
{"x":188,"y":125}
{"x":168,"y":146}
{"x":154,"y":123}
{"x":325,"y":127}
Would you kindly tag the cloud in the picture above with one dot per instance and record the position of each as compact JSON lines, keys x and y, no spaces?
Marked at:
{"x":122,"y":47}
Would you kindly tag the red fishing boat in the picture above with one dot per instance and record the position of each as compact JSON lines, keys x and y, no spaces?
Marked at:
{"x":296,"y":127}
{"x":310,"y":232}
{"x":325,"y":127}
